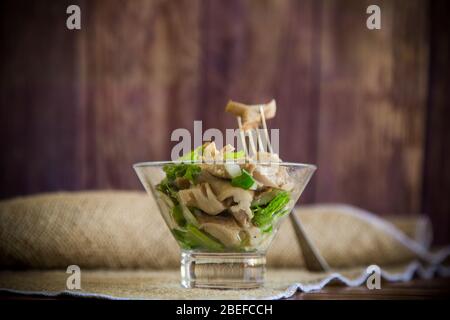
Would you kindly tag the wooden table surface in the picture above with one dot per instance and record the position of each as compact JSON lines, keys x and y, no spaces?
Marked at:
{"x":438,"y":288}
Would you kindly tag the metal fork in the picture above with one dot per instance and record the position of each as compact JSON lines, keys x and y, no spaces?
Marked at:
{"x":313,"y":259}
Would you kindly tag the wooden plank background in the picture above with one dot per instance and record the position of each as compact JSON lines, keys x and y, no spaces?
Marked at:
{"x":369,"y":107}
{"x":436,"y":193}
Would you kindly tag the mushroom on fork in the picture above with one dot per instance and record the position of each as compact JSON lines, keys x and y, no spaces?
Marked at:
{"x":251,"y":117}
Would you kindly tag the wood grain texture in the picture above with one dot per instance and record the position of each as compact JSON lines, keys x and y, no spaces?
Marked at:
{"x":416,"y":289}
{"x":436,"y":201}
{"x":372,"y":106}
{"x":254,"y":51}
{"x":39,"y":99}
{"x":141,"y":79}
{"x":79,"y":108}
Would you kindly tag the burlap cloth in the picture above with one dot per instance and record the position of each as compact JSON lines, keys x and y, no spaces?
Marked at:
{"x":125,"y":251}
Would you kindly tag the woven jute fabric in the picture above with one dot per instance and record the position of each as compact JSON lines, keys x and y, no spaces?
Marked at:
{"x":165,"y":284}
{"x":125,"y":250}
{"x":125,"y":230}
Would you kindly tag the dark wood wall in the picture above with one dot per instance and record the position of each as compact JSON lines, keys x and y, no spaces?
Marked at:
{"x":368,"y":107}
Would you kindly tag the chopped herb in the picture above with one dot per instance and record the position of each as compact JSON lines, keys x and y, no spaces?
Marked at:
{"x":234,"y":155}
{"x":188,"y":215}
{"x":180,"y":235}
{"x":177,"y":213}
{"x":193,"y":238}
{"x":182,"y":170}
{"x":169,"y":189}
{"x":201,"y":239}
{"x":192,"y":156}
{"x":264,"y":216}
{"x":244,"y":181}
{"x":264,"y":198}
{"x":268,"y":230}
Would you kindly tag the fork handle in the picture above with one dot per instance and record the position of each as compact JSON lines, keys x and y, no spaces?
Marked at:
{"x":313,"y":259}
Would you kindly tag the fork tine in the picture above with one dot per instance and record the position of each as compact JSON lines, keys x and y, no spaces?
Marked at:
{"x":241,"y":134}
{"x":258,"y":137}
{"x":252,"y":143}
{"x":263,"y":118}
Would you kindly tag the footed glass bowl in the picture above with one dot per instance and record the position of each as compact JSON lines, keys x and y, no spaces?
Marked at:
{"x":220,"y":249}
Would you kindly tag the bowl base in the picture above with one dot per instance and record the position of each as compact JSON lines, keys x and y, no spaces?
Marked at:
{"x":222,"y":270}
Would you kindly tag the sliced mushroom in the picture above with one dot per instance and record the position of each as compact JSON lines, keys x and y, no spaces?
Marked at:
{"x":224,"y":229}
{"x":202,"y":197}
{"x":266,"y":175}
{"x":252,"y":236}
{"x":223,"y":170}
{"x":267,"y":157}
{"x":271,"y":174}
{"x":166,"y":205}
{"x":217,"y":170}
{"x":241,"y":216}
{"x":250,"y":114}
{"x":224,"y":190}
{"x":210,"y":152}
{"x":214,"y":162}
{"x":273,"y":177}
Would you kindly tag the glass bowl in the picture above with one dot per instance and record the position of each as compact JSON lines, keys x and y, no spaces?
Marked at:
{"x":218,"y":252}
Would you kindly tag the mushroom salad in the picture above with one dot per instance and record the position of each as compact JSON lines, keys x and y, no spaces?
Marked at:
{"x":223,"y":199}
